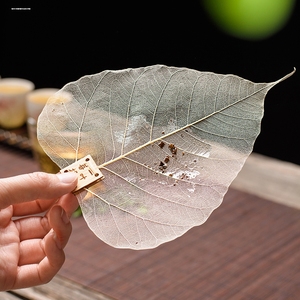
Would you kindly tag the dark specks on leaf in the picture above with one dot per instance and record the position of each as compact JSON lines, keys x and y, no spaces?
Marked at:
{"x":162,"y":166}
{"x":161,"y":144}
{"x":173,"y":149}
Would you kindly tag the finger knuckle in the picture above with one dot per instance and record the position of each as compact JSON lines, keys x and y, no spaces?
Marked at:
{"x":40,"y":178}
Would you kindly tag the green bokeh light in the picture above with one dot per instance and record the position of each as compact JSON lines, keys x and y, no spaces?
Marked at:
{"x":250,"y":19}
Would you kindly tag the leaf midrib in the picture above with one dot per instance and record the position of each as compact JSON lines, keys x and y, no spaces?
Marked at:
{"x":150,"y":142}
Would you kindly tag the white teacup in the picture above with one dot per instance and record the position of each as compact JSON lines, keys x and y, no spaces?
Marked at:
{"x":13,"y":93}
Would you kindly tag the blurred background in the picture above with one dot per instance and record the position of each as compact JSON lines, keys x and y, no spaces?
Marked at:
{"x":52,"y":44}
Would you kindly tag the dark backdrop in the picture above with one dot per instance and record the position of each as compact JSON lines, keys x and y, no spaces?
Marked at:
{"x":52,"y":44}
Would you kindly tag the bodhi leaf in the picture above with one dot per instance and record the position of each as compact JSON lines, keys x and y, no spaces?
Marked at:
{"x":168,"y":140}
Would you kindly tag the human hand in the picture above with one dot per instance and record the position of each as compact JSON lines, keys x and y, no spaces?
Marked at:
{"x":31,"y":247}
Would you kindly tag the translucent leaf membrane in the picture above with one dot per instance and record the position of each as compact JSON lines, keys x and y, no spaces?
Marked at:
{"x":168,"y":140}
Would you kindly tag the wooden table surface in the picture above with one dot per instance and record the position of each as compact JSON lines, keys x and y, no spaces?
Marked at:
{"x":248,"y":248}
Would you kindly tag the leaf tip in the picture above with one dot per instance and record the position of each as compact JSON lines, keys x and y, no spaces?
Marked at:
{"x":284,"y":77}
{"x":288,"y":75}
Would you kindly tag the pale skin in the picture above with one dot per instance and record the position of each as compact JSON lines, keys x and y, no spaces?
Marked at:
{"x":31,"y":247}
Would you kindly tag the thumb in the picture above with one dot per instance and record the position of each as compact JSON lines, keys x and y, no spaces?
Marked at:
{"x":34,"y":186}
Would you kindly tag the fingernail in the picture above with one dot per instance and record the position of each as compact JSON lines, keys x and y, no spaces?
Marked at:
{"x":64,"y":216}
{"x":68,"y":177}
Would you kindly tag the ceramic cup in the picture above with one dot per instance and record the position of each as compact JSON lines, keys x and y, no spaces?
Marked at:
{"x":13,"y":93}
